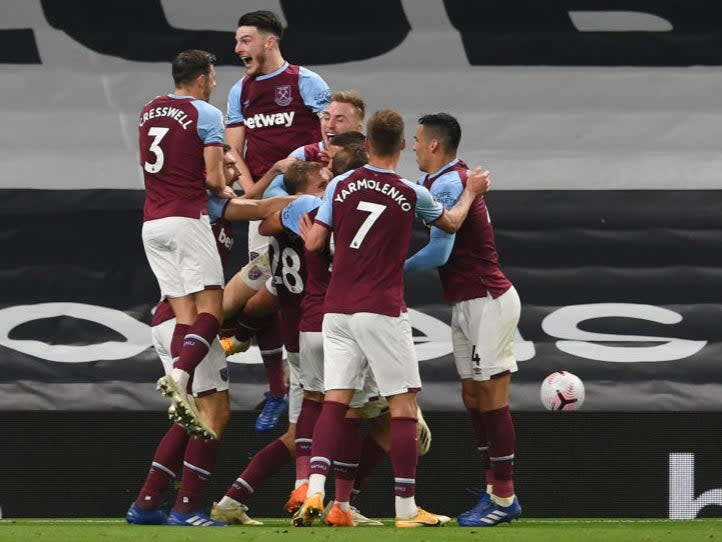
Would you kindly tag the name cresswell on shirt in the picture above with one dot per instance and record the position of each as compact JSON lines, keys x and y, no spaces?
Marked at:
{"x":170,"y":112}
{"x":372,"y":184}
{"x":259,"y":120}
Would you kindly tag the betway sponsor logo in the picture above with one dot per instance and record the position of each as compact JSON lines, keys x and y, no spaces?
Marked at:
{"x":260,"y":120}
{"x":224,"y":239}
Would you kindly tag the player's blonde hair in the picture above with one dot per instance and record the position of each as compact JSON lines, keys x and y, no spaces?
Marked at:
{"x":352,"y":98}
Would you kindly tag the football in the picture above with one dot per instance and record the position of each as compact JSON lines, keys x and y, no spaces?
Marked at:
{"x":562,"y":390}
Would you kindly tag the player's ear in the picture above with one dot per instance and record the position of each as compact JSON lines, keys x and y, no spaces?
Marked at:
{"x":403,"y":143}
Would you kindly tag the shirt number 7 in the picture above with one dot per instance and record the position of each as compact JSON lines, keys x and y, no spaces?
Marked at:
{"x":374,"y":210}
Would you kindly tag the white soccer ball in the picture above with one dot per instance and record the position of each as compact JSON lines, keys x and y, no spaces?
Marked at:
{"x":562,"y":390}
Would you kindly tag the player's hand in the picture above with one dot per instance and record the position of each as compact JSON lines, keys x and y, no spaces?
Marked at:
{"x":323,"y":157}
{"x":477,"y":181}
{"x":304,"y":225}
{"x":227,"y":192}
{"x":282,"y":165}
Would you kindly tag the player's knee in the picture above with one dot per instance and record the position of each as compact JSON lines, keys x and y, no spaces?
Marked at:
{"x":220,"y":420}
{"x":289,"y":441}
{"x":316,"y":396}
{"x":470,"y":399}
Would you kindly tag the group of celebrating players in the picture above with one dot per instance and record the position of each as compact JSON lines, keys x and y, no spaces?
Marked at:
{"x":329,"y":237}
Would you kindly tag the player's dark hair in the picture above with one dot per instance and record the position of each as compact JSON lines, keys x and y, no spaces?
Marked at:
{"x":352,"y":156}
{"x":443,"y":127}
{"x":265,"y":21}
{"x":189,"y":64}
{"x":385,"y":132}
{"x":296,"y":176}
{"x":348,"y":138}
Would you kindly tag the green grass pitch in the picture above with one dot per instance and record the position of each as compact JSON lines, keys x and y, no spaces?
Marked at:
{"x":276,"y":529}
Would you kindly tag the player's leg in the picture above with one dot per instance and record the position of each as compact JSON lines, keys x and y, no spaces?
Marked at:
{"x":164,"y":468}
{"x":168,"y":457}
{"x":495,"y":362}
{"x":310,"y":377}
{"x":270,"y":343}
{"x":255,"y":315}
{"x":264,"y":464}
{"x":310,"y":411}
{"x":210,"y":391}
{"x":345,"y":464}
{"x":344,"y":365}
{"x":236,"y":294}
{"x":242,"y":287}
{"x":465,"y":318}
{"x":196,"y":343}
{"x":388,"y":345}
{"x":349,"y":456}
{"x":253,"y":287}
{"x":176,"y":249}
{"x":203,"y":330}
{"x":330,"y":424}
{"x":201,"y":274}
{"x":263,"y":304}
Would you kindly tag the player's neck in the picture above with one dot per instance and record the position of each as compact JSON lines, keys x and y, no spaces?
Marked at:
{"x":189,"y":91}
{"x":384,"y":162}
{"x":272,"y":64}
{"x":437,"y":162}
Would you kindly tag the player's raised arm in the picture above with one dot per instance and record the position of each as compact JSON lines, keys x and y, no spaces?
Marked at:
{"x":215,"y":180}
{"x":271,"y":225}
{"x":250,"y":209}
{"x":279,"y":168}
{"x":477,"y":183}
{"x":236,"y":138}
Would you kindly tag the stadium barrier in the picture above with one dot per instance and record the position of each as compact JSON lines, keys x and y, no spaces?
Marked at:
{"x":568,"y":464}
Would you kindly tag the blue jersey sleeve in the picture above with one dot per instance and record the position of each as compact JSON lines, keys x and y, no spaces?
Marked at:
{"x":210,"y":123}
{"x":234,"y":114}
{"x":447,"y":189}
{"x":314,"y":90}
{"x":434,"y":254}
{"x":292,"y":213}
{"x":427,"y":208}
{"x":299,"y":153}
{"x":216,"y":206}
{"x":276,"y":187}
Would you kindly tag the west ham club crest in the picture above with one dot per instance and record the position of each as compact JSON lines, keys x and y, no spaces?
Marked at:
{"x":283,"y":95}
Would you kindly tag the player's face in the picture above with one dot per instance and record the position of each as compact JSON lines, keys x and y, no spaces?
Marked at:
{"x":339,"y":118}
{"x":422,"y":148}
{"x":317,"y":181}
{"x":251,"y":48}
{"x":230,"y":169}
{"x":209,"y":83}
